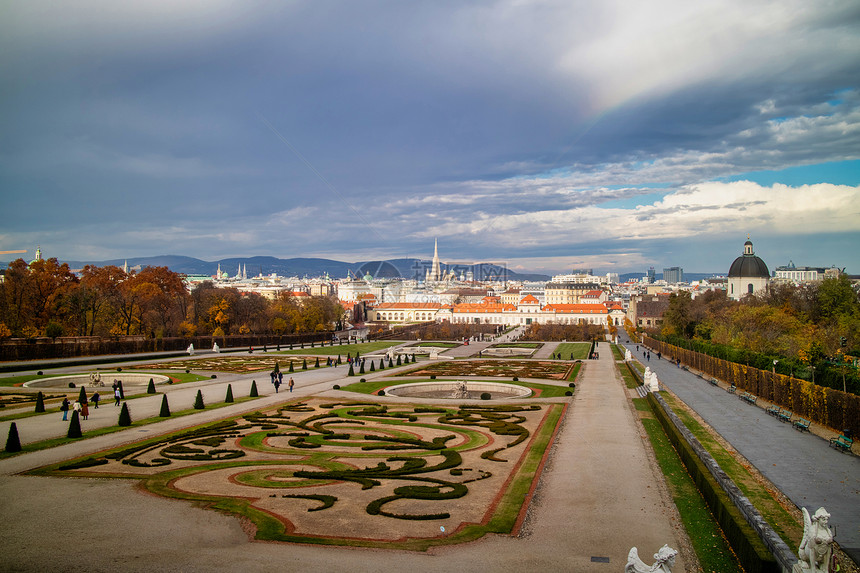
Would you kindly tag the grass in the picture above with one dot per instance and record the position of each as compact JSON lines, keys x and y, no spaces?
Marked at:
{"x":617,"y":351}
{"x":546,"y":391}
{"x":54,"y":442}
{"x":363,"y":348}
{"x":629,"y":380}
{"x":435,"y":344}
{"x":574,"y":372}
{"x":711,"y":547}
{"x":578,"y":349}
{"x":518,"y":345}
{"x":785,"y":525}
{"x":16,"y":380}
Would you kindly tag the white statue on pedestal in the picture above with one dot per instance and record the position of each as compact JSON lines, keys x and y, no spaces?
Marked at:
{"x":215,"y":347}
{"x":654,"y":385}
{"x":190,"y":349}
{"x":627,"y":355}
{"x":665,"y":560}
{"x":816,"y":548}
{"x":434,"y":353}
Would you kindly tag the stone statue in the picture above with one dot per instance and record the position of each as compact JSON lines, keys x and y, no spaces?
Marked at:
{"x":646,"y":378}
{"x":215,"y":347}
{"x":190,"y":350}
{"x":654,"y":385}
{"x":816,"y":549}
{"x":434,"y":353}
{"x":460,"y":391}
{"x":627,"y":355}
{"x":665,"y":560}
{"x":96,"y":379}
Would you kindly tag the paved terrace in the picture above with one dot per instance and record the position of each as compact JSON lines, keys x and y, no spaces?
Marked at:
{"x":800,"y":464}
{"x":600,"y":494}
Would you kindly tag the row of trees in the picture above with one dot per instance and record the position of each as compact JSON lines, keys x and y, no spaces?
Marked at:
{"x":45,"y":298}
{"x":806,"y":328}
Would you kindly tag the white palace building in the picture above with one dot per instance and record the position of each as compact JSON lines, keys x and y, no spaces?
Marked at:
{"x":492,"y":311}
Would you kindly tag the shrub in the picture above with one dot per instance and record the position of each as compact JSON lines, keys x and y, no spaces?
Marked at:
{"x":75,"y":426}
{"x":187,"y":371}
{"x":363,"y":380}
{"x":361,"y":368}
{"x":253,"y":393}
{"x":399,"y":361}
{"x":382,"y":364}
{"x":39,"y":373}
{"x":82,"y":397}
{"x":317,"y":365}
{"x":372,"y":367}
{"x":121,"y":389}
{"x":229,"y":398}
{"x":198,"y":401}
{"x":119,"y":368}
{"x":485,"y":395}
{"x":351,"y":371}
{"x":214,"y":376}
{"x":40,"y":402}
{"x":71,"y":385}
{"x":516,"y":379}
{"x":13,"y":443}
{"x":432,"y":377}
{"x":291,"y":369}
{"x":304,"y":363}
{"x":165,"y":407}
{"x":572,"y":385}
{"x":568,"y":393}
{"x":151,"y":388}
{"x":124,"y":416}
{"x":381,"y":392}
{"x":336,"y":387}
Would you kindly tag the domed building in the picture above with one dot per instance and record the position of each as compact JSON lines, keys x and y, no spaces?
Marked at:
{"x":748,"y":274}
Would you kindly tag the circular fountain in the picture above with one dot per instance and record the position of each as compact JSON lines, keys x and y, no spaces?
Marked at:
{"x":129,"y":380}
{"x":459,"y":390}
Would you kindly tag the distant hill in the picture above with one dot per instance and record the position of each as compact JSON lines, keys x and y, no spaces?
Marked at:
{"x":309,"y":267}
{"x":688,"y":277}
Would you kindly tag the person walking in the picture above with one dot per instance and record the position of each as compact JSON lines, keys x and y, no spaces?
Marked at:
{"x":277,"y":385}
{"x":95,"y":399}
{"x":116,"y":396}
{"x":64,"y":408}
{"x":85,"y":410}
{"x":291,"y":384}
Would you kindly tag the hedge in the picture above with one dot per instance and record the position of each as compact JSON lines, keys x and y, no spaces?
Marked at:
{"x":826,"y":406}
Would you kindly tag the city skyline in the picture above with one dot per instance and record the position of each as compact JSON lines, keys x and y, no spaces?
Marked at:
{"x":543,"y":135}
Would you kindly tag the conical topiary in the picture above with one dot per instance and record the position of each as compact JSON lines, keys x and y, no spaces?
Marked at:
{"x":339,"y":360}
{"x":198,"y":401}
{"x":382,"y":363}
{"x":13,"y":443}
{"x":390,"y":362}
{"x":151,"y":388}
{"x":291,"y":366}
{"x":40,"y":402}
{"x":254,"y":393}
{"x":304,"y":364}
{"x":399,"y":361}
{"x":317,"y":365}
{"x":165,"y":407}
{"x":82,"y":395}
{"x":413,"y":358}
{"x":121,"y":390}
{"x":229,"y":398}
{"x":351,"y":371}
{"x":277,"y":367}
{"x":124,"y":416}
{"x":74,"y":426}
{"x":372,"y":367}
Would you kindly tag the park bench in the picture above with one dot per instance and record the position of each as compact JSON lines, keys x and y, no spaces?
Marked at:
{"x":731,"y":389}
{"x":801,"y":424}
{"x":785,"y":415}
{"x":773,"y":410}
{"x":713,"y":382}
{"x":751,"y":398}
{"x":842,"y":443}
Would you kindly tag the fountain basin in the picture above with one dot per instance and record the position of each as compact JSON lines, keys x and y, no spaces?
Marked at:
{"x":128,"y":379}
{"x":445,"y":390}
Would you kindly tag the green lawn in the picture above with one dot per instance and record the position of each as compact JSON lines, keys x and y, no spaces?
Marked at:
{"x":436,"y":344}
{"x":343,"y":349}
{"x":180,"y":377}
{"x":578,"y":349}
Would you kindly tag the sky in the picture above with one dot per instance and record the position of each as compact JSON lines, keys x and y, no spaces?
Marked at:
{"x":544,"y":135}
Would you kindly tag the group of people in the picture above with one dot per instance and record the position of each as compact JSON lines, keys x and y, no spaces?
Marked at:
{"x":81,"y":406}
{"x":278,"y":379}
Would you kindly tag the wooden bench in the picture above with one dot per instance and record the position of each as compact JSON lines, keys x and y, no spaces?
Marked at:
{"x":731,"y":389}
{"x":773,"y":410}
{"x":801,"y":424}
{"x":751,"y":398}
{"x":842,"y":443}
{"x":785,"y":415}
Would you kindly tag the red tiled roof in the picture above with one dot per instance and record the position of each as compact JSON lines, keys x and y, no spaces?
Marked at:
{"x":593,"y":293}
{"x":529,"y":299}
{"x":577,"y":308}
{"x":408,"y":306}
{"x":483,"y":307}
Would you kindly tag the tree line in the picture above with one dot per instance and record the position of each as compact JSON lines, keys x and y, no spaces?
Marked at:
{"x":45,"y":298}
{"x":808,"y":329}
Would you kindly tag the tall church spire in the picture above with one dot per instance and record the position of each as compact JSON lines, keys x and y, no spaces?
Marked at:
{"x":437,"y":271}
